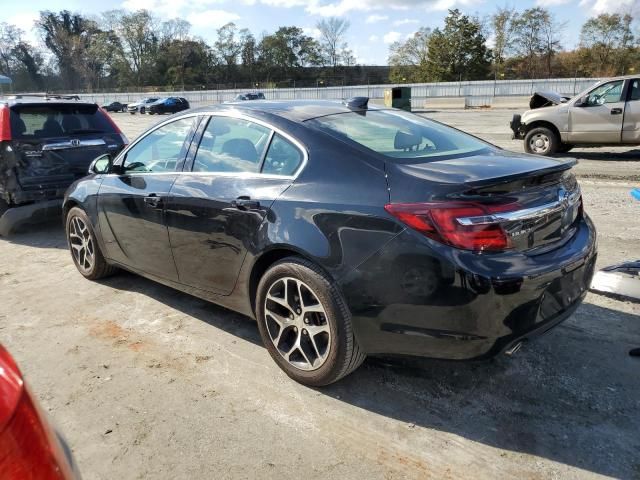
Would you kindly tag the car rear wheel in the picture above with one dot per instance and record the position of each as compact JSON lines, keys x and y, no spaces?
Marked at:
{"x":84,"y":248}
{"x":305,"y":324}
{"x":541,"y":141}
{"x":142,"y":110}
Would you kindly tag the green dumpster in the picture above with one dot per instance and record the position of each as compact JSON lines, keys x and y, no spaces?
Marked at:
{"x":398,"y":97}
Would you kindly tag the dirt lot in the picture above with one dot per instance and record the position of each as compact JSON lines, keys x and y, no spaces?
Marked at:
{"x":146,"y":382}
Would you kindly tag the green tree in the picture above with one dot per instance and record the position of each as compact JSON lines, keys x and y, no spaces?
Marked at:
{"x":286,"y":50}
{"x":409,"y":60}
{"x":458,"y":51}
{"x":607,"y":41}
{"x":503,"y":26}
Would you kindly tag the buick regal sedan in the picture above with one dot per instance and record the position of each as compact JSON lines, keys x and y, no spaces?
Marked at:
{"x":344,"y":230}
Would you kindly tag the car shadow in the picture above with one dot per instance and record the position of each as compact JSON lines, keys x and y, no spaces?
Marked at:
{"x":227,"y":320}
{"x":49,"y":234}
{"x":571,"y":396}
{"x":628,"y":156}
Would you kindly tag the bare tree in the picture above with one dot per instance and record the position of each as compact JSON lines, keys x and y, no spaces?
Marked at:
{"x":332,"y":39}
{"x":503,"y":26}
{"x":9,"y":39}
{"x":409,"y":59}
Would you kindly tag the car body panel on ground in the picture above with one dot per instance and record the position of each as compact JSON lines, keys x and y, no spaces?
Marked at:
{"x":236,"y":189}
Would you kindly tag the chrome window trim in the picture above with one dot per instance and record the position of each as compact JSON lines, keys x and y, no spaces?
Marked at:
{"x":233,"y":114}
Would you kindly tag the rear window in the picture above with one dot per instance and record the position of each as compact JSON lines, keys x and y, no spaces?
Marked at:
{"x":50,"y":120}
{"x":400,"y":135}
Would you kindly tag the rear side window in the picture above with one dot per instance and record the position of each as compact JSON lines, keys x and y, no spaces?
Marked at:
{"x":50,"y":120}
{"x":283,"y":157}
{"x":231,"y":145}
{"x":399,"y":135}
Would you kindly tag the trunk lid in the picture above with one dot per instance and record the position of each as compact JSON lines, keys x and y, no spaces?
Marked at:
{"x":542,"y":195}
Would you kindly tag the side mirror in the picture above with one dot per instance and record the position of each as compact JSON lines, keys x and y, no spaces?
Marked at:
{"x":583,"y":101}
{"x":100,"y":165}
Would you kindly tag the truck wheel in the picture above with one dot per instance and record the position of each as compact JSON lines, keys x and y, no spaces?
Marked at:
{"x":541,"y":141}
{"x":305,"y":324}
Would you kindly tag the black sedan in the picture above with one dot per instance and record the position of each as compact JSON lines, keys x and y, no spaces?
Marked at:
{"x":345,"y":230}
{"x":168,"y":105}
{"x":115,"y":107}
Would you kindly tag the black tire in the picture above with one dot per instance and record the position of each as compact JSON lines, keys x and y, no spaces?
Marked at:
{"x":548,"y":141}
{"x":4,"y":206}
{"x":142,"y":110}
{"x":343,"y":353}
{"x":98,"y":267}
{"x":564,"y":148}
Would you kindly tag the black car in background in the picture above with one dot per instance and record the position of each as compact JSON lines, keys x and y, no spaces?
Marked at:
{"x":168,"y":105}
{"x":249,"y":96}
{"x":115,"y":107}
{"x":344,"y":230}
{"x":45,"y":145}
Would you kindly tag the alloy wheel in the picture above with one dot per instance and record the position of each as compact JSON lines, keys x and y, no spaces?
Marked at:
{"x":297,"y":323}
{"x":81,"y":243}
{"x":539,"y":143}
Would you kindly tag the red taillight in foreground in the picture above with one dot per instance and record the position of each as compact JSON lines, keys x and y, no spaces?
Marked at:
{"x":5,"y":123}
{"x":440,"y":221}
{"x":114,"y":125}
{"x":29,"y":448}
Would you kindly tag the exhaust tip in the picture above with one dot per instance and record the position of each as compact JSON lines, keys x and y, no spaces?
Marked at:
{"x":513,"y":349}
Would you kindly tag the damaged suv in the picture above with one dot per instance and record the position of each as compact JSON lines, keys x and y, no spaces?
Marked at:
{"x":46,"y":144}
{"x":608,"y":113}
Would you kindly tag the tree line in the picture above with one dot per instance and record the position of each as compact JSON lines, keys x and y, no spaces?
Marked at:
{"x":121,"y":50}
{"x":525,"y":44}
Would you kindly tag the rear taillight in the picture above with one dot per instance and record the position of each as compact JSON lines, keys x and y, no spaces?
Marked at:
{"x":5,"y":123}
{"x":441,"y":221}
{"x":28,"y":447}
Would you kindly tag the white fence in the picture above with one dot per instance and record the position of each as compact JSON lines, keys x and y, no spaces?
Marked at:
{"x":475,"y":93}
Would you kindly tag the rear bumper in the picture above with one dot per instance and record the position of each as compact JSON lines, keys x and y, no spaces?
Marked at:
{"x":417,"y":298}
{"x":32,"y":213}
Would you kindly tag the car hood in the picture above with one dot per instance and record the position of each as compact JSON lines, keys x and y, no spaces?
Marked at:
{"x":546,"y":99}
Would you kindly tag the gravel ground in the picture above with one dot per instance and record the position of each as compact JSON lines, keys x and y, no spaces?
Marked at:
{"x":147,"y":382}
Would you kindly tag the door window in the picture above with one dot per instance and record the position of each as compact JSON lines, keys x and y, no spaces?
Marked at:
{"x":231,"y":145}
{"x":283,"y":157}
{"x":162,"y":150}
{"x":607,"y":93}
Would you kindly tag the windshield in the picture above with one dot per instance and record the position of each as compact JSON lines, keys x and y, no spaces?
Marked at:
{"x":400,"y":135}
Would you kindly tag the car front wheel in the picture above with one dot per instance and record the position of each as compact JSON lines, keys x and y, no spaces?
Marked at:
{"x":84,"y":248}
{"x":541,"y":141}
{"x":305,"y":324}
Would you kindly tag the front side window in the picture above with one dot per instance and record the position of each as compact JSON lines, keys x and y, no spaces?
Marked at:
{"x":161,"y":150}
{"x":399,"y":135}
{"x":231,"y":145}
{"x":607,"y":93}
{"x":634,"y":94}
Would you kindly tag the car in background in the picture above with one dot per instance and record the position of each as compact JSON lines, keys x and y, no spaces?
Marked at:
{"x":168,"y":105}
{"x":249,"y":96}
{"x":141,"y":105}
{"x":115,"y":107}
{"x":29,"y":447}
{"x":344,"y":230}
{"x":607,"y":113}
{"x":46,"y":144}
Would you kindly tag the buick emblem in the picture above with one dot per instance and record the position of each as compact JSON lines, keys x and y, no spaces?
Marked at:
{"x":75,"y":142}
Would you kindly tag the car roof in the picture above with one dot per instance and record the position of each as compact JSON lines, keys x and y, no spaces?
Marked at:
{"x":295,"y":110}
{"x":19,"y":99}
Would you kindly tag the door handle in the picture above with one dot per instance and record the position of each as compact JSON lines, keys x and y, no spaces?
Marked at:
{"x":153,"y":201}
{"x":245,"y":203}
{"x":616,"y":111}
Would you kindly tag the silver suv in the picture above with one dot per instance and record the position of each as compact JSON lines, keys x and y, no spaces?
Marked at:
{"x":606,"y":114}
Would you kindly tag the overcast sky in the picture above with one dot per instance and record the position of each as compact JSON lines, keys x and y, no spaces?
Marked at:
{"x":374,"y":23}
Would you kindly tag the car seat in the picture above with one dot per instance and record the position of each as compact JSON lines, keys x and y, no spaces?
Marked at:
{"x":241,"y":148}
